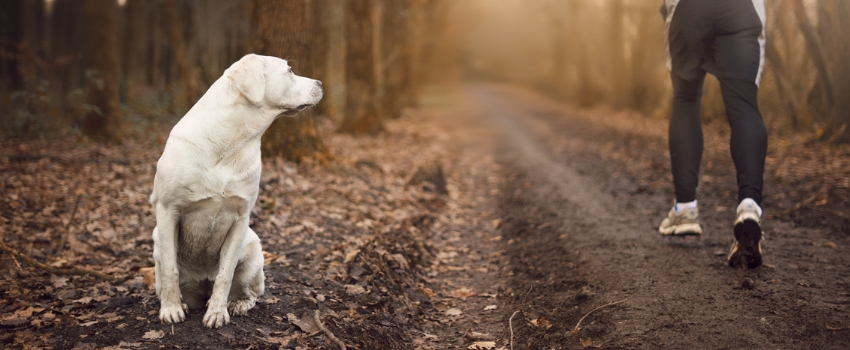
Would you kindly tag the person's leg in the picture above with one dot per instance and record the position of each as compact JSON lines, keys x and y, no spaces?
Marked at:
{"x":748,"y":143}
{"x":738,"y":55}
{"x":685,"y":138}
{"x":685,"y":142}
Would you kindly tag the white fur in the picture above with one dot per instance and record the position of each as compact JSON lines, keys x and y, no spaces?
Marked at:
{"x":206,"y":183}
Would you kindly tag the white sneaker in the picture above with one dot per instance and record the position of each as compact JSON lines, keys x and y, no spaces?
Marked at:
{"x":746,"y":250}
{"x":683,"y":223}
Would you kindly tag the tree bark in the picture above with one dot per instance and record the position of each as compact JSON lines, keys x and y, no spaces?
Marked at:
{"x":284,"y":28}
{"x":362,"y":115}
{"x":395,"y":60}
{"x":175,"y":30}
{"x":10,"y":39}
{"x":100,"y":55}
{"x":817,"y":55}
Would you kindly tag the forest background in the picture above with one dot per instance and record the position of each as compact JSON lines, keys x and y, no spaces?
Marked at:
{"x":104,"y":70}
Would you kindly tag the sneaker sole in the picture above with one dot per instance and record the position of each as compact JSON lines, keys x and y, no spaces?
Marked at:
{"x":746,"y":251}
{"x":682,"y":230}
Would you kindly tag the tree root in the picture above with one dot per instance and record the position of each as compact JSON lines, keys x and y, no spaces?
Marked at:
{"x":114,"y":279}
{"x":327,"y":332}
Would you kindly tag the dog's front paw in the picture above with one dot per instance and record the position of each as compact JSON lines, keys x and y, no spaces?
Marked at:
{"x":216,"y":317}
{"x":173,"y":313}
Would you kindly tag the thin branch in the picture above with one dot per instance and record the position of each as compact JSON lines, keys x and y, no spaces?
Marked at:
{"x":575,"y":330}
{"x":327,"y":332}
{"x":65,"y":272}
{"x":795,"y":207}
{"x":827,"y":211}
{"x":511,"y":320}
{"x":64,"y":239}
{"x":511,"y":325}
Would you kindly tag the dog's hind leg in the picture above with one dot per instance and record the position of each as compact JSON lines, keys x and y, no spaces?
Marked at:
{"x":248,"y":279}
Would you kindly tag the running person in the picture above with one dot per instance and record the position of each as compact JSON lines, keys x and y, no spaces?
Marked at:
{"x":725,"y":38}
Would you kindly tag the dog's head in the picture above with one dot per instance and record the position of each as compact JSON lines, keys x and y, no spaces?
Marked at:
{"x":269,"y":83}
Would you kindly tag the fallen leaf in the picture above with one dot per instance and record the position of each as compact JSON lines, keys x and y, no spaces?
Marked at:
{"x":462,"y":293}
{"x":305,"y":323}
{"x":149,"y":276}
{"x":28,"y":311}
{"x":84,"y":300}
{"x":482,"y":345}
{"x":268,"y":258}
{"x":88,"y":323}
{"x":59,"y":282}
{"x":354,"y":289}
{"x":496,"y":223}
{"x":153,"y":335}
{"x":541,"y":322}
{"x":350,"y":255}
{"x":587,"y":342}
{"x":490,"y":307}
{"x":441,"y":306}
{"x":454,"y":312}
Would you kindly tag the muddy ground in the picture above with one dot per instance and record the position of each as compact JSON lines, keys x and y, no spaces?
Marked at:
{"x":489,"y":217}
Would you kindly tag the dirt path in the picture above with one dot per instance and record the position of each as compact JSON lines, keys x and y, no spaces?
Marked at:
{"x":579,"y":210}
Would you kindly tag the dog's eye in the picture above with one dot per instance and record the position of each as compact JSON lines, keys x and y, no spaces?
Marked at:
{"x":290,"y":71}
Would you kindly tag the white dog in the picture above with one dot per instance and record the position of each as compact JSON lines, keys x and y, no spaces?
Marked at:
{"x":206,"y":183}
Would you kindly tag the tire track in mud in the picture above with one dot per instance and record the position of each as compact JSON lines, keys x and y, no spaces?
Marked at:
{"x":578,"y":235}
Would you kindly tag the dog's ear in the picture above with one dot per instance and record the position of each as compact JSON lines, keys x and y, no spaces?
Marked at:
{"x":246,"y":77}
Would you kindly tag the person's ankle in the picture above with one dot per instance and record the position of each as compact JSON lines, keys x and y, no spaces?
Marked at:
{"x":678,"y":207}
{"x":749,"y":201}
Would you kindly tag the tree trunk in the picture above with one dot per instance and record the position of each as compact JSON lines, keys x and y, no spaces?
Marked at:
{"x":175,"y":35}
{"x":284,"y":28}
{"x":362,"y":115}
{"x":10,"y":39}
{"x":394,"y":52}
{"x":618,"y":83}
{"x":100,"y":55}
{"x":818,"y":57}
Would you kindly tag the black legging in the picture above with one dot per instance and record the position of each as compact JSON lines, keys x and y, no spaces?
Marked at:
{"x":721,"y":37}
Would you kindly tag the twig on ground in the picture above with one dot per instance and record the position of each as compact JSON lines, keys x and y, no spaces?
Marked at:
{"x":794,"y":207}
{"x":827,"y":211}
{"x":575,"y":330}
{"x":17,"y":263}
{"x":64,"y":272}
{"x":327,"y":332}
{"x":511,"y":320}
{"x":64,"y":238}
{"x":511,"y":325}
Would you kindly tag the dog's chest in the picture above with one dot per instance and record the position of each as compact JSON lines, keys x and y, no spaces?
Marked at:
{"x":204,"y":225}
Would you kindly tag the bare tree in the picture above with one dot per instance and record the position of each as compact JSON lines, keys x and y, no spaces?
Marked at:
{"x":100,"y":54}
{"x":284,"y":28}
{"x":396,"y":56}
{"x":178,"y":46}
{"x":362,"y":114}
